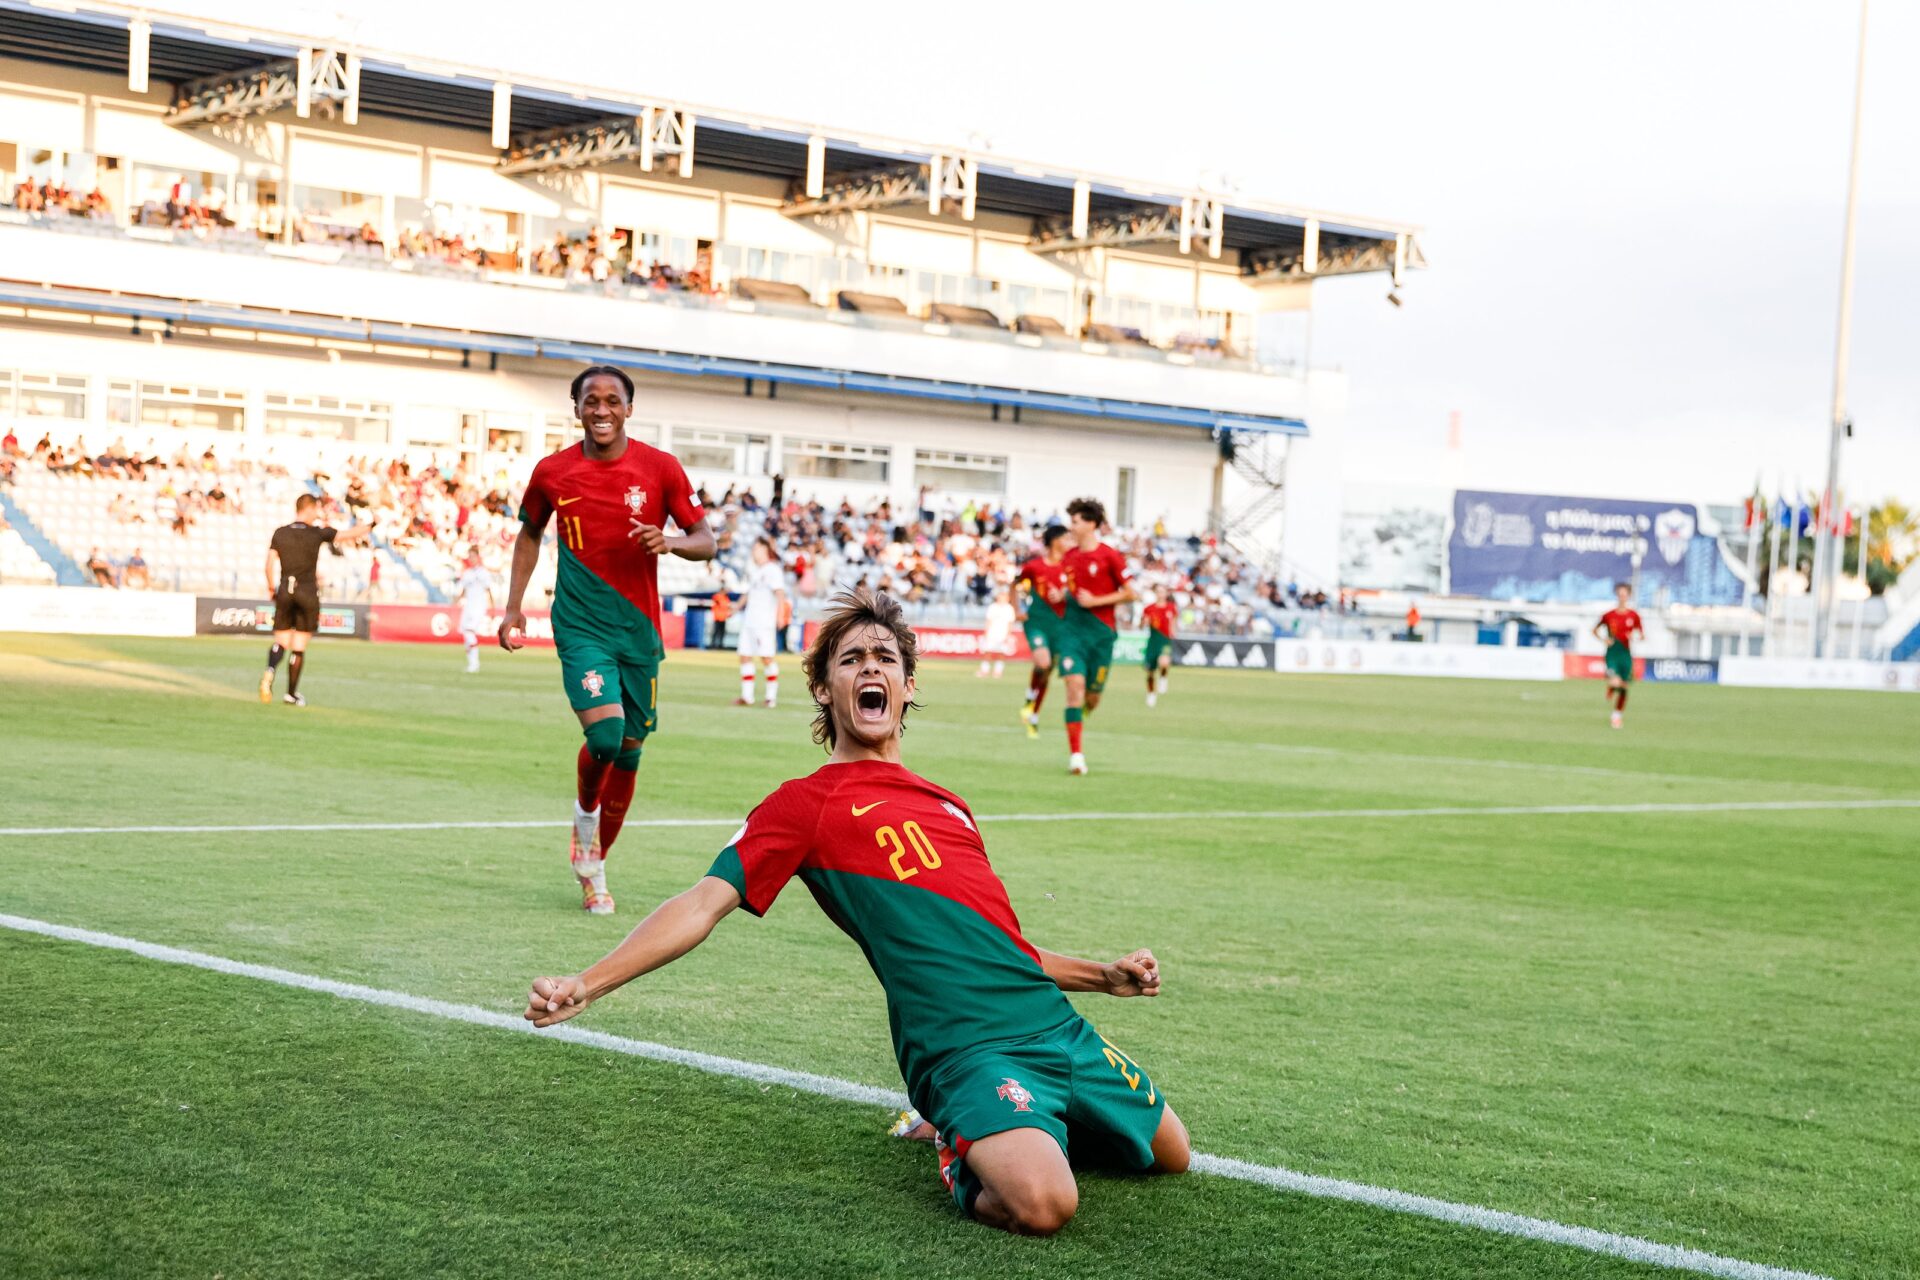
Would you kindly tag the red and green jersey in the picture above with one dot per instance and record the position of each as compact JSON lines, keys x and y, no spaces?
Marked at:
{"x":1160,"y":617}
{"x":1620,"y":625}
{"x":1101,"y":572}
{"x":899,"y":865}
{"x":1047,"y":579}
{"x":607,"y":582}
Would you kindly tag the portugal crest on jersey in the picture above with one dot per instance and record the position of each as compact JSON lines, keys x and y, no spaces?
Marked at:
{"x":1013,"y":1091}
{"x":593,"y":682}
{"x":636,"y":499}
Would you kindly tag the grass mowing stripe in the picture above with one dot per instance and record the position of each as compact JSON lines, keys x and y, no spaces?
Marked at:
{"x":1172,"y":815}
{"x":1631,"y":1248}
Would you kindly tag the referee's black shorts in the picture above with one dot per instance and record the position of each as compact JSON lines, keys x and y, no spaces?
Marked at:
{"x":296,"y":611}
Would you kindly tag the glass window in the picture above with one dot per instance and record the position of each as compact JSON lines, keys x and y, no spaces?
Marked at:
{"x":328,"y":418}
{"x":836,"y":460}
{"x":170,"y":405}
{"x":53,"y":395}
{"x":732,"y":452}
{"x":7,"y":379}
{"x":120,"y":404}
{"x":960,"y":472}
{"x":1123,"y":500}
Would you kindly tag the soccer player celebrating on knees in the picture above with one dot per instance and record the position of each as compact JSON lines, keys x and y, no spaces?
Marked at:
{"x":293,"y":567}
{"x":476,"y":599}
{"x":1159,"y":617}
{"x":1043,"y":606}
{"x":612,"y":497}
{"x":1618,"y":626}
{"x":991,"y":1051}
{"x":1097,"y":580}
{"x":765,"y":596}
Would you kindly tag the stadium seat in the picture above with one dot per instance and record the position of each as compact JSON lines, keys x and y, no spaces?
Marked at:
{"x":878,"y":304}
{"x":1042,"y":326}
{"x":954,"y":313}
{"x":773,"y":291}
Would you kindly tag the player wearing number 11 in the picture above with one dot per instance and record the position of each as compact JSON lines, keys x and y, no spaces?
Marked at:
{"x":611,"y":497}
{"x":993,"y":1054}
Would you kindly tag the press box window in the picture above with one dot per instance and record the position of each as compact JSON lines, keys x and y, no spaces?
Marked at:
{"x":960,"y":472}
{"x":836,"y":460}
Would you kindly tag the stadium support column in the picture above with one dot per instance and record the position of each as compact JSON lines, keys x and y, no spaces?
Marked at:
{"x":1310,"y":521}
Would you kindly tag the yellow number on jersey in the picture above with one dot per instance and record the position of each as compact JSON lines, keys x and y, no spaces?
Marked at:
{"x":888,"y":838}
{"x":573,"y":533}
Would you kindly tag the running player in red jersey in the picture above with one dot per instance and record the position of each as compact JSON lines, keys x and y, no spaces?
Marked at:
{"x":612,"y":495}
{"x":1159,"y":617}
{"x":1618,"y":626}
{"x":1042,"y":606}
{"x":991,"y":1051}
{"x":1098,"y":579}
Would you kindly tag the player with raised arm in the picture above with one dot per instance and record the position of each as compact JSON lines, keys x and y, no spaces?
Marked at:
{"x":476,"y":601}
{"x":1042,"y":606}
{"x":1618,"y":626}
{"x":992,"y":1052}
{"x":1097,"y":580}
{"x":293,"y":580}
{"x":765,"y":597}
{"x":1159,"y":617}
{"x":612,"y":496}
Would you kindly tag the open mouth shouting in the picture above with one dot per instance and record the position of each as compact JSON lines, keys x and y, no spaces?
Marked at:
{"x":872,"y":701}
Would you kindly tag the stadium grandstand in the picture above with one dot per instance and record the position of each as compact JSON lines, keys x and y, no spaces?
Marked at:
{"x":238,"y":264}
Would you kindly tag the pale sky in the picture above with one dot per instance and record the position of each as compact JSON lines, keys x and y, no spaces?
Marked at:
{"x":1633,"y":210}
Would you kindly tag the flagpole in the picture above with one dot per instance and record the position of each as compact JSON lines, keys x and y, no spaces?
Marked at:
{"x":1773,"y":580}
{"x":1866,"y":598}
{"x":1746,"y":594}
{"x":1842,"y":352}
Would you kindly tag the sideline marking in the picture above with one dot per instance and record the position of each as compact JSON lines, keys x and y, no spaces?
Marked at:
{"x":1169,"y":815}
{"x":1479,"y":1217}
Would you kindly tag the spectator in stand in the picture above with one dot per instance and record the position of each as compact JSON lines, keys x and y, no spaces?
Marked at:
{"x":10,"y":444}
{"x":135,"y":571}
{"x":100,"y":568}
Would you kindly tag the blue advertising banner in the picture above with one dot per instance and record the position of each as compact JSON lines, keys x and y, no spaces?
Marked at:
{"x":1683,"y":670}
{"x":1542,"y":547}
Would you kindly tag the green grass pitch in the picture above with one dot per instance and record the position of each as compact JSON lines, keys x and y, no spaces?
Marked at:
{"x":1700,"y":1028}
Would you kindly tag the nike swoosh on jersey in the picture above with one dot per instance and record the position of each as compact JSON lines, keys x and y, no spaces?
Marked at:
{"x":561,"y":502}
{"x":859,"y":812}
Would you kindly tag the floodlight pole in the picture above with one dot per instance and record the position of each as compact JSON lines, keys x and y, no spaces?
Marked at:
{"x":1840,"y":428}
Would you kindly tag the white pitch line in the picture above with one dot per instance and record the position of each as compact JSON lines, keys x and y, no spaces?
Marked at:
{"x":1632,"y":1248}
{"x":1165,"y":815}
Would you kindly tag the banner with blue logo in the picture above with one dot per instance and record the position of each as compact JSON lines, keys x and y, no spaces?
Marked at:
{"x":1540,"y":547}
{"x":1683,"y":670}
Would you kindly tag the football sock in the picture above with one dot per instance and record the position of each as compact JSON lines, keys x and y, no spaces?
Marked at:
{"x":1037,"y":688}
{"x":1620,"y":699}
{"x":616,"y":795}
{"x":590,"y":776}
{"x":1073,"y":729}
{"x":746,"y":682}
{"x":773,"y":682}
{"x":274,"y":654}
{"x":296,"y":663}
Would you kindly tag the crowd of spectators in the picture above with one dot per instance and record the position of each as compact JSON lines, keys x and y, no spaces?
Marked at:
{"x":52,"y":197}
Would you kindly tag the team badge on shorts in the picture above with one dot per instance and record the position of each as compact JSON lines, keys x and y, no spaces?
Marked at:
{"x":1013,"y":1091}
{"x":592,"y":683}
{"x":1066,"y":665}
{"x":636,"y":499}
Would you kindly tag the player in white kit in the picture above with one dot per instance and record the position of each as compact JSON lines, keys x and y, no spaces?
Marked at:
{"x":764,"y":599}
{"x":476,"y":603}
{"x":993,"y":645}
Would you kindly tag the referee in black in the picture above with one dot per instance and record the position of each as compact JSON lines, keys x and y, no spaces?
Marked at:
{"x":293,"y":562}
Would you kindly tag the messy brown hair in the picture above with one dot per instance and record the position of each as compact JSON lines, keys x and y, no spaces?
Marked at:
{"x":860,"y":606}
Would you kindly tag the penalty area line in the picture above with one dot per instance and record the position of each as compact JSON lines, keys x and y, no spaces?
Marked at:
{"x":1169,"y":815}
{"x":1478,"y":1217}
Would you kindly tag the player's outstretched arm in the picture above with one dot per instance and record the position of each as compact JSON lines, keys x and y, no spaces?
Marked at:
{"x":1134,"y":974}
{"x":676,"y":927}
{"x":526,"y":555}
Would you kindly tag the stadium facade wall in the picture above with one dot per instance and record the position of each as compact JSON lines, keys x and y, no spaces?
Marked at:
{"x":1831,"y":673}
{"x":1048,"y":459}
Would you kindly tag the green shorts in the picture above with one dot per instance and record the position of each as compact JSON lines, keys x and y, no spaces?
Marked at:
{"x":1072,"y":1081}
{"x":601,"y":672}
{"x":1083,"y":647}
{"x":1620,"y":662}
{"x":1157,"y":646}
{"x":1041,"y":624}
